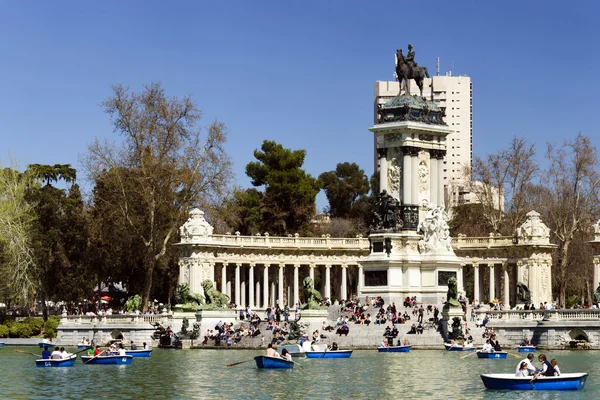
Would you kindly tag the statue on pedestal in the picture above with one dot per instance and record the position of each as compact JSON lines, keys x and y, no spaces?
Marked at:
{"x":407,"y":69}
{"x":453,"y":294}
{"x":312,"y":298}
{"x":523,"y":294}
{"x":597,"y":295}
{"x":386,"y":213}
{"x":213,"y":298}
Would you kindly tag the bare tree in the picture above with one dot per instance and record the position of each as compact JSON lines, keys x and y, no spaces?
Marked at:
{"x":569,"y":200}
{"x":500,"y":183}
{"x":165,"y":164}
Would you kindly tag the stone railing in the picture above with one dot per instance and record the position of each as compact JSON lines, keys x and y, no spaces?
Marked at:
{"x":538,"y":315}
{"x":293,"y":241}
{"x":163,"y":319}
{"x":464,"y":242}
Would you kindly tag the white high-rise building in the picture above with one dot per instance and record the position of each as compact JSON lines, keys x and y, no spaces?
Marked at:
{"x":455,"y":93}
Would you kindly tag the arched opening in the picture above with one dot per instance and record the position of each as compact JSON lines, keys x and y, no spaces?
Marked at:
{"x":579,"y":335}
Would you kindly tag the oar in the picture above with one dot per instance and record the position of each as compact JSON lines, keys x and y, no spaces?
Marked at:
{"x":99,"y":354}
{"x":468,"y":355}
{"x":514,"y":355}
{"x":238,"y":363}
{"x":26,"y":352}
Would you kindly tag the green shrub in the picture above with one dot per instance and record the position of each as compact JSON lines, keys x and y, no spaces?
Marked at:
{"x":52,"y":323}
{"x":24,"y":331}
{"x":51,"y":333}
{"x":4,"y":331}
{"x":36,"y":325}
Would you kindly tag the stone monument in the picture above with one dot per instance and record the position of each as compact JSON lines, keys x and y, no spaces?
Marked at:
{"x":411,"y":253}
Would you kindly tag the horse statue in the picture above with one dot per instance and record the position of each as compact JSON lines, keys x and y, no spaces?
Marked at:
{"x":213,"y":298}
{"x":407,"y":70}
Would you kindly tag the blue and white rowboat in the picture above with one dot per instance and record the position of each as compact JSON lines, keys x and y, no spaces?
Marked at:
{"x":394,"y":349}
{"x":495,"y":354}
{"x":526,"y":349}
{"x":1,"y":344}
{"x":329,"y":354}
{"x":139,"y":353}
{"x":511,"y":382}
{"x":84,"y":346}
{"x":52,"y":363}
{"x":42,"y":344}
{"x":119,"y":360}
{"x":267,"y":362}
{"x":456,"y":347}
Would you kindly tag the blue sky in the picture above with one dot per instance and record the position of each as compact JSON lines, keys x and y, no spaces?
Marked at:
{"x":299,"y":73}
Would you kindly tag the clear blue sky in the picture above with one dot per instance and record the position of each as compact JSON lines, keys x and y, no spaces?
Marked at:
{"x":300,"y":73}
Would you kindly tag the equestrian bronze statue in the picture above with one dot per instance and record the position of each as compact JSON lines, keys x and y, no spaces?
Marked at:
{"x":407,"y":69}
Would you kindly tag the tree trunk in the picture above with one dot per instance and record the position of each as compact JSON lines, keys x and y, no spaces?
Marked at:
{"x":147,"y":285}
{"x":563,"y":273}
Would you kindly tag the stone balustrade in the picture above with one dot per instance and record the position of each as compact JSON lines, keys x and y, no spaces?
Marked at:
{"x":294,"y":241}
{"x":537,"y":315}
{"x":118,"y":319}
{"x":464,"y":242}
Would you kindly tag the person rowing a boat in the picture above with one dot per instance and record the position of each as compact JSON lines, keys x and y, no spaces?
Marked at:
{"x":271,"y":351}
{"x":286,"y":355}
{"x":98,"y":351}
{"x":531,"y":369}
{"x":46,"y":353}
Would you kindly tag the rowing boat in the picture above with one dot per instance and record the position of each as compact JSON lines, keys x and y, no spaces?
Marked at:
{"x":113,"y":359}
{"x":52,"y":363}
{"x":42,"y":344}
{"x":456,"y":347}
{"x":139,"y":353}
{"x":394,"y":349}
{"x":526,"y":349}
{"x":329,"y":354}
{"x":574,"y":381}
{"x":268,"y":362}
{"x":495,"y":354}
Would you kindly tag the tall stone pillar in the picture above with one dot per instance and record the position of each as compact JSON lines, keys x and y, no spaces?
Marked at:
{"x":440,"y":179}
{"x":238,"y":298}
{"x":280,"y":294}
{"x":383,"y":169}
{"x":224,"y":278}
{"x":344,"y":285}
{"x":251,"y":285}
{"x":243,"y":303}
{"x":492,"y":283}
{"x":257,"y":291}
{"x":406,"y":174}
{"x":433,"y":181}
{"x":266,"y":286}
{"x":476,"y":293}
{"x":311,"y":272}
{"x":328,"y":281}
{"x":296,"y":285}
{"x":361,"y":282}
{"x":506,"y":299}
{"x":414,"y":178}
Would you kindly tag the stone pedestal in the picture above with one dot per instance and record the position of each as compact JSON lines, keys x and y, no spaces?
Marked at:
{"x":448,"y":314}
{"x":313,"y":319}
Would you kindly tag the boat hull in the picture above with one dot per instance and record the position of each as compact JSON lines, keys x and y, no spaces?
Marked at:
{"x":394,"y":349}
{"x":49,"y":363}
{"x":526,"y":349}
{"x":495,"y":355}
{"x":1,"y":344}
{"x":84,"y":346}
{"x":450,"y":347}
{"x":329,"y":354}
{"x":266,"y":362}
{"x":46,"y":344}
{"x":101,"y":360}
{"x":294,"y":349}
{"x":139,"y":353}
{"x":511,"y":382}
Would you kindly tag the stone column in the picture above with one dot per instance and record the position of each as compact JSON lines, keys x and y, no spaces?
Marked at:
{"x":492,"y":284}
{"x":414,"y":178}
{"x":311,"y":272}
{"x":361,"y":278}
{"x":440,"y":180}
{"x":506,"y":299}
{"x":433,"y":178}
{"x":238,"y":298}
{"x":296,"y":285}
{"x":383,"y":172}
{"x":343,"y":287}
{"x":280,"y":292}
{"x":266,"y":286}
{"x":328,"y":281}
{"x":243,"y":284}
{"x":224,"y":278}
{"x":251,"y":285}
{"x":406,"y":173}
{"x":476,"y":293}
{"x":257,"y":291}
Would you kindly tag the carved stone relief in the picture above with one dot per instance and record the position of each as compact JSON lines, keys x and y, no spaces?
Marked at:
{"x":394,"y":171}
{"x":423,"y":171}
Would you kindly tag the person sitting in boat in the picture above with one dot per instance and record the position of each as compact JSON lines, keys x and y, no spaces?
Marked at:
{"x":133,"y":346}
{"x":56,"y":354}
{"x":522,"y":370}
{"x":146,"y":347}
{"x":494,"y":343}
{"x":487,"y":347}
{"x":334,"y":346}
{"x":64,"y":353}
{"x":547,"y":368}
{"x":98,"y":351}
{"x":531,"y":369}
{"x":271,"y":351}
{"x":46,"y":353}
{"x":286,"y":355}
{"x":554,"y":364}
{"x":405,"y":342}
{"x":122,"y":351}
{"x":525,"y":342}
{"x":383,"y":343}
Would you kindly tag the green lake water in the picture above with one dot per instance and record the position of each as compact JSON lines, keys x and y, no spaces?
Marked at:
{"x":202,"y":374}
